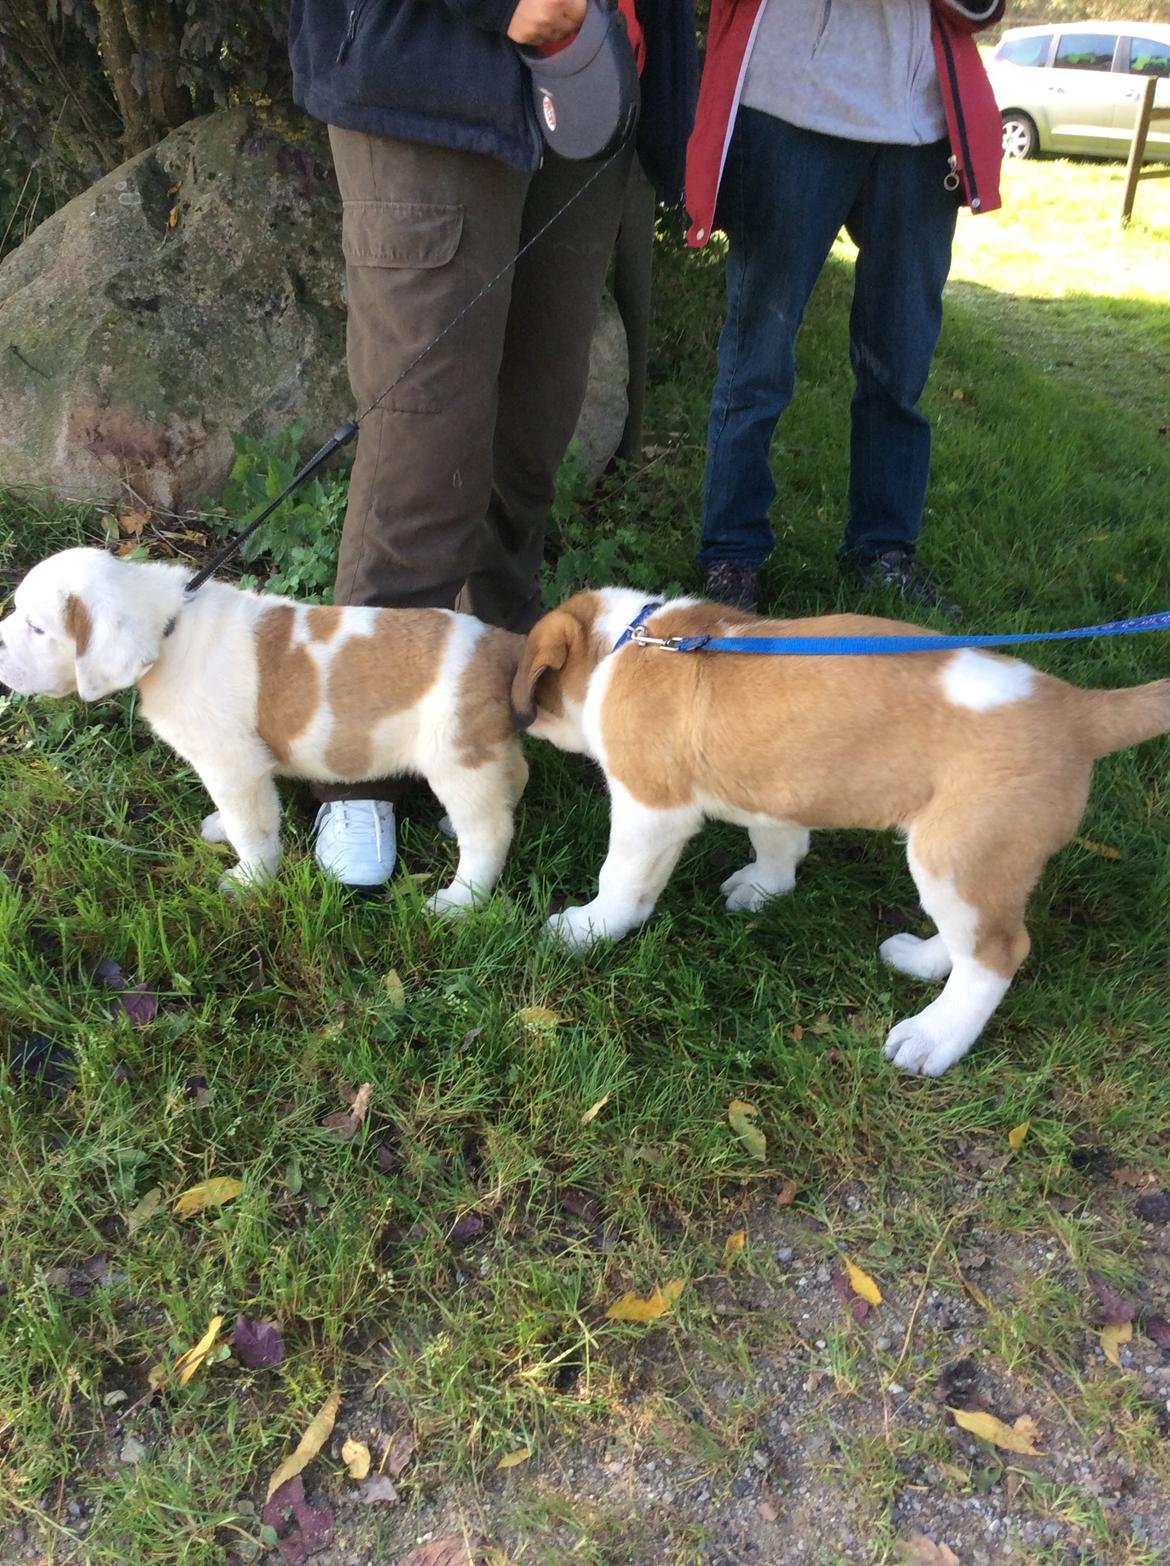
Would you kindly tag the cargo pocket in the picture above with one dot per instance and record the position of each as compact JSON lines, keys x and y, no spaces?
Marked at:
{"x":400,"y":295}
{"x":400,"y":233}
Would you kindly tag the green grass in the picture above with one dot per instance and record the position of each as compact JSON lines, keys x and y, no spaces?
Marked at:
{"x":1048,"y":507}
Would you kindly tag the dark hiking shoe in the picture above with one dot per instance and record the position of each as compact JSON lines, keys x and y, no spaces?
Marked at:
{"x":731,"y":584}
{"x":899,"y":572}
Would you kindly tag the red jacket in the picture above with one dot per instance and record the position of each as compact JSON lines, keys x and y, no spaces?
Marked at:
{"x":973,"y":121}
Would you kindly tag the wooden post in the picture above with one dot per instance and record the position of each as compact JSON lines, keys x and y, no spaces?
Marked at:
{"x":1137,"y":147}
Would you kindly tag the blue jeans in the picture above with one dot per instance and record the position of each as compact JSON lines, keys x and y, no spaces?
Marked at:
{"x":784,"y":196}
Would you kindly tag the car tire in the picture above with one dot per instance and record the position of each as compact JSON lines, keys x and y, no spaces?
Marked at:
{"x":1020,"y":139}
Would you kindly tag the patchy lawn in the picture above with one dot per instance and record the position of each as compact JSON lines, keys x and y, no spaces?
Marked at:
{"x":447,"y":1264}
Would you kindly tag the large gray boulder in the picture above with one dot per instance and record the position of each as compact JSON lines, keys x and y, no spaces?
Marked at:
{"x":195,"y":292}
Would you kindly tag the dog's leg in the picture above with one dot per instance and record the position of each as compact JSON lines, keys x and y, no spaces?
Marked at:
{"x":921,"y":959}
{"x":247,"y":816}
{"x":983,"y":942}
{"x":779,"y":846}
{"x":480,"y":804}
{"x":644,"y":845}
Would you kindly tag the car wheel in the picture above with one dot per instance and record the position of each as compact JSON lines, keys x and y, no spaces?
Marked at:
{"x":1019,"y":135}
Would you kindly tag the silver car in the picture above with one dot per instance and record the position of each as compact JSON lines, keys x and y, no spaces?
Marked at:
{"x":1075,"y":87}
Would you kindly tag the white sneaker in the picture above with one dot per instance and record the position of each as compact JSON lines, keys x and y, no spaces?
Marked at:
{"x":355,"y":840}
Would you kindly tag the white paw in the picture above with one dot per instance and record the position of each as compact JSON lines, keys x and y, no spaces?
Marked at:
{"x":920,"y":959}
{"x":578,"y":928}
{"x":747,"y":890}
{"x":244,"y":878}
{"x":451,"y":902}
{"x":213,"y":829}
{"x":915,"y":1046}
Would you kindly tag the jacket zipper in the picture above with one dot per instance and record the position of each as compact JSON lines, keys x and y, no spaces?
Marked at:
{"x":350,"y":33}
{"x":973,"y":200}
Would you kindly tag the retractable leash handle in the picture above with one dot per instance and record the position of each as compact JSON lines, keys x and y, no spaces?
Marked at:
{"x":586,"y":90}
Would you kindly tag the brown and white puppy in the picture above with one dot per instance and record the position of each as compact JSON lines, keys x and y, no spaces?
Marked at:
{"x":249,"y":687}
{"x":981,"y":761}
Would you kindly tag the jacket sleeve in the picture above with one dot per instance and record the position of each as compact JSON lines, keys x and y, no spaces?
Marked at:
{"x":492,"y":15}
{"x":969,"y":16}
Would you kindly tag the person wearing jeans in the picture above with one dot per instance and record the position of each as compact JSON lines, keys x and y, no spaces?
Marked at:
{"x":870,"y":115}
{"x":444,"y":178}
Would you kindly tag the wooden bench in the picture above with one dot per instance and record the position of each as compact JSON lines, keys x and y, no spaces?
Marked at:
{"x":1133,"y":169}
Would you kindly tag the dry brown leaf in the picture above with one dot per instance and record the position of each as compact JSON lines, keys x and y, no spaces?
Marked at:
{"x":133,"y":522}
{"x":918,"y":1550}
{"x":356,"y":1457}
{"x":786,"y":1195}
{"x":1112,"y":1337}
{"x":594,"y":1110}
{"x":1135,"y":1179}
{"x":1017,"y":1134}
{"x":862,"y":1283}
{"x":343,"y":1124}
{"x":172,"y":217}
{"x":797,"y":1033}
{"x":395,"y":990}
{"x":514,"y":1459}
{"x":1019,"y":1437}
{"x":740,"y":1116}
{"x":731,"y":1249}
{"x":187,"y":1364}
{"x":767,"y":1510}
{"x":399,"y":1452}
{"x":631,"y":1307}
{"x":448,"y":1551}
{"x":210,"y":1193}
{"x":314,"y":1438}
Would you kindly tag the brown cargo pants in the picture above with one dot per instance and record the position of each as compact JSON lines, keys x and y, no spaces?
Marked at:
{"x":456,"y":470}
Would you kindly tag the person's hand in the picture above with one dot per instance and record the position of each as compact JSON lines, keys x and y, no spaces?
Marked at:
{"x":545,"y":21}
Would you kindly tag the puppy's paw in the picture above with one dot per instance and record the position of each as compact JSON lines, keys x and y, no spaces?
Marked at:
{"x":916,"y":1047}
{"x":452,"y":902}
{"x":213,"y":829}
{"x":577,"y":928}
{"x":244,"y":878}
{"x":748,"y":889}
{"x":920,"y":959}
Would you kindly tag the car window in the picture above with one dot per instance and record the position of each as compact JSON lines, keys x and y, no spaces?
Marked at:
{"x":1148,"y":58}
{"x":1031,"y":50}
{"x":1085,"y":52}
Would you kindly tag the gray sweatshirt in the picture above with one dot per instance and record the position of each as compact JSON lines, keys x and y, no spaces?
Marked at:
{"x":860,"y":69}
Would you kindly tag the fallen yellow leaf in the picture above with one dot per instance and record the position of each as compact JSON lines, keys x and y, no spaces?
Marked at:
{"x":631,"y":1307}
{"x":539,"y":1017}
{"x":211,"y":1193}
{"x":1112,"y":1337}
{"x":395,"y":990}
{"x":1019,"y":1437}
{"x":862,"y":1283}
{"x":1087,"y":843}
{"x":187,"y":1364}
{"x":1017,"y":1134}
{"x":314,"y":1438}
{"x":731,"y":1249}
{"x":514,"y":1459}
{"x":143,"y":1211}
{"x":356,"y":1457}
{"x":594,"y":1110}
{"x":740,"y":1116}
{"x":172,"y":217}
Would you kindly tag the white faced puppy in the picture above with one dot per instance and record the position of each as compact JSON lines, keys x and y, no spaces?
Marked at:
{"x":981,"y":761}
{"x":249,"y":687}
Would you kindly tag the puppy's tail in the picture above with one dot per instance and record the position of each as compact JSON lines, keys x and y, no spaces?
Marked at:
{"x":1118,"y":719}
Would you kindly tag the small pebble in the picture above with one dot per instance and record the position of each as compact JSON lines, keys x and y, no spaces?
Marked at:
{"x":132,"y":1451}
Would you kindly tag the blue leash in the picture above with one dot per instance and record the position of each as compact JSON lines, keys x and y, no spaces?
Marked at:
{"x":869,"y":646}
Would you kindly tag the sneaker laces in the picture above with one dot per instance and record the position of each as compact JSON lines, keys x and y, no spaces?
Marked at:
{"x":360,"y":821}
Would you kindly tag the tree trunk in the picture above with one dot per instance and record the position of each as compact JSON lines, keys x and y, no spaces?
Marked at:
{"x":117,"y":53}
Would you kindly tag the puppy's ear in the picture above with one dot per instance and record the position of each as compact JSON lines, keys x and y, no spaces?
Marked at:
{"x":547,"y":650}
{"x":112,"y":648}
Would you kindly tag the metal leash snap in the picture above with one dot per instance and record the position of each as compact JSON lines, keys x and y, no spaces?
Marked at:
{"x":951,"y":180}
{"x":640,"y":635}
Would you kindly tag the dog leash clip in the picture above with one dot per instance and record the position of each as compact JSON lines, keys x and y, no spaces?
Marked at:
{"x":640,"y":635}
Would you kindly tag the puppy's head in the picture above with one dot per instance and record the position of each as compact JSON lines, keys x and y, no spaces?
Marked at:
{"x":561,"y":652}
{"x":78,"y":624}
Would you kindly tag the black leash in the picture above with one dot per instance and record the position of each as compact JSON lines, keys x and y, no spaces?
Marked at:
{"x":346,"y":432}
